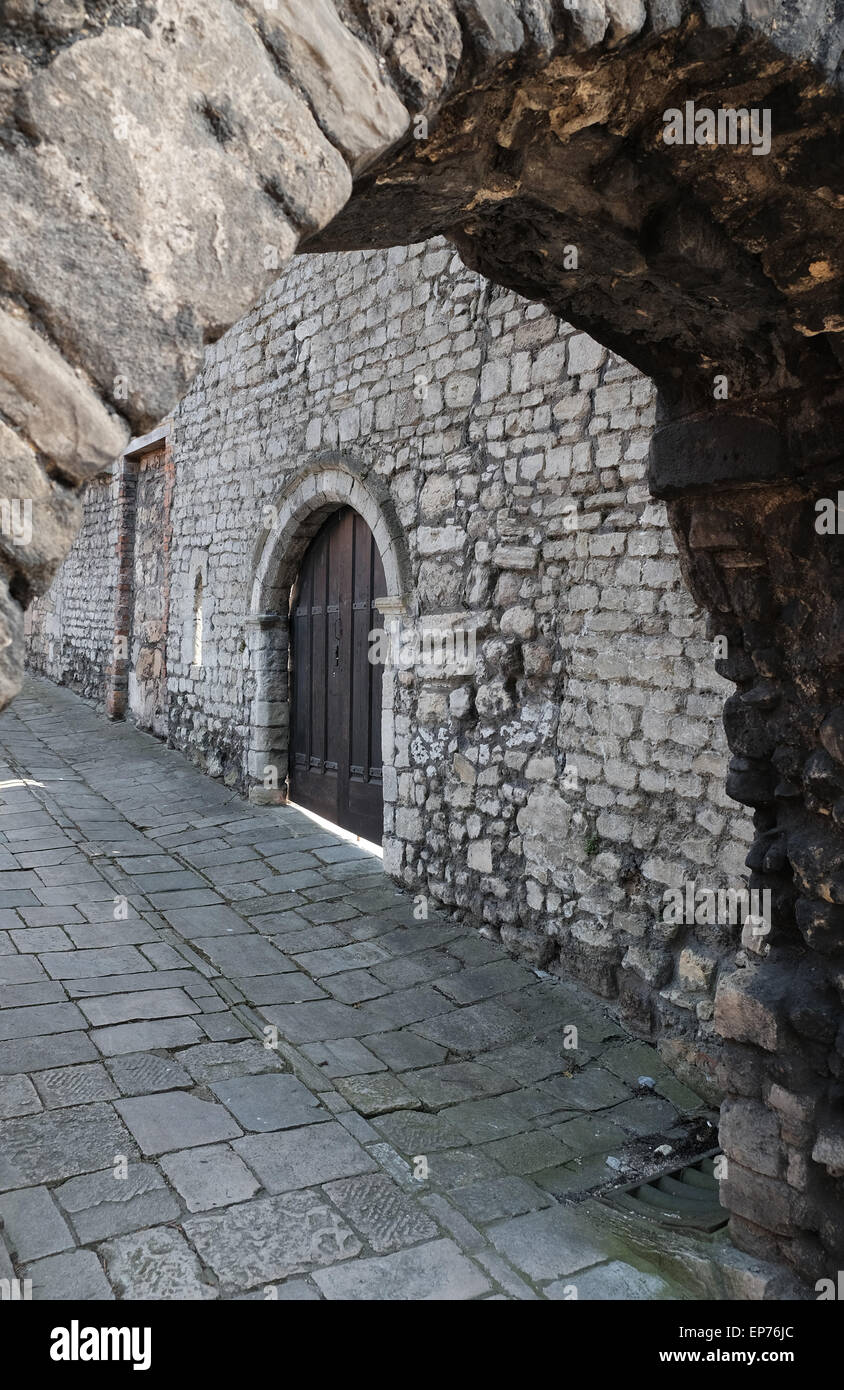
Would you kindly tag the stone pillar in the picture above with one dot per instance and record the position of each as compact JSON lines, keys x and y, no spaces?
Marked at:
{"x":117,"y":673}
{"x":268,"y":637}
{"x":394,"y":611}
{"x":756,"y":557}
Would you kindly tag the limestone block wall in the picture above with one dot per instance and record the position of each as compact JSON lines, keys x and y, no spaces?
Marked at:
{"x":70,"y":629}
{"x":555,"y":792}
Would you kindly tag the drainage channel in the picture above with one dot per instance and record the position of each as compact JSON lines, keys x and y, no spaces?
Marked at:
{"x":684,"y":1199}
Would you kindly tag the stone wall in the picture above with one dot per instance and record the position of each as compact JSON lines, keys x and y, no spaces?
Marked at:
{"x":70,"y":631}
{"x":554,"y":794}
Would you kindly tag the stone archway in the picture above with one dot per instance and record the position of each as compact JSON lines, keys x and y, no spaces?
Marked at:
{"x":299,"y":512}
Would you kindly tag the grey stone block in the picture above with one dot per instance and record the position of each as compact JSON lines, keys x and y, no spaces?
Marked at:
{"x":456,"y":1081}
{"x":156,"y":1264}
{"x":293,"y":988}
{"x":342,"y":1057}
{"x":549,"y":1244}
{"x":301,"y":1023}
{"x":42,"y":1019}
{"x":60,"y":1143}
{"x":341,"y":959}
{"x":271,"y":1238}
{"x":434,"y":1272}
{"x":354,"y":986}
{"x":384,"y":1215}
{"x":499,"y":1197}
{"x":139,"y":1004}
{"x":138,"y":1037}
{"x":76,"y":1276}
{"x":19,"y":970}
{"x":17,"y":1097}
{"x":473,"y":1029}
{"x":485,"y":981}
{"x":212,"y":1177}
{"x":173,"y":1120}
{"x":254,"y":956}
{"x":104,"y":1204}
{"x":377,"y":1095}
{"x":404,"y":1050}
{"x":94,"y":935}
{"x":75,"y":1085}
{"x":296,"y":1157}
{"x":528,"y":1153}
{"x":32,"y":1224}
{"x":36,"y":1054}
{"x":615,"y":1280}
{"x":41,"y":939}
{"x":99,"y":985}
{"x":269,"y":1102}
{"x":416,"y":1132}
{"x":39,"y":992}
{"x":82,"y":964}
{"x":222,"y":1027}
{"x":593,"y":1089}
{"x":141,"y":1072}
{"x":214,"y":920}
{"x":216,"y":1061}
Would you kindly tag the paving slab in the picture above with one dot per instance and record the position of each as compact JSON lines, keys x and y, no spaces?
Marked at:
{"x":210,"y":1177}
{"x":137,"y":1004}
{"x":483,"y":1202}
{"x":269,"y":1102}
{"x":548,"y":1244}
{"x":171,"y":1120}
{"x":32,"y":1224}
{"x":381,"y":1212}
{"x":435,"y":1272}
{"x":243,"y":956}
{"x":613,"y":1281}
{"x":297,"y":1158}
{"x":75,"y":1085}
{"x":156,"y":1264}
{"x":60,"y":1143}
{"x":117,"y":1200}
{"x":37,"y":1054}
{"x":76,"y":1276}
{"x":215,"y":1061}
{"x":18,"y":1096}
{"x":141,"y":1072}
{"x":272,"y":1238}
{"x":83,"y":964}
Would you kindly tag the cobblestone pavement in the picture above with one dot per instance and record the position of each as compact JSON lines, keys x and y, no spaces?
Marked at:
{"x":421,"y":1130}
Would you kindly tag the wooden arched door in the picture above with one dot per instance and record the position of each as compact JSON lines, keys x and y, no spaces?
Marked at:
{"x":335,"y":736}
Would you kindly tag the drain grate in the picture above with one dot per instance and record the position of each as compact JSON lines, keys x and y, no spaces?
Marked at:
{"x":684,"y":1199}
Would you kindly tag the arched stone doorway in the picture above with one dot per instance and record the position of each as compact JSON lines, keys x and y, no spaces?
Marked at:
{"x":311,"y":503}
{"x":335,"y":766}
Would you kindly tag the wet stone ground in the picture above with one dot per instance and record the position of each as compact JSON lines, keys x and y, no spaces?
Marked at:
{"x":417,"y":1127}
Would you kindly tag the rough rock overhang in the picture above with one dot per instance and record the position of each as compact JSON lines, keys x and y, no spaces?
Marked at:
{"x":691,"y":260}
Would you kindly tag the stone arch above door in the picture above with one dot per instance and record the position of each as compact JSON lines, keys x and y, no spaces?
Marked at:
{"x":297,"y":514}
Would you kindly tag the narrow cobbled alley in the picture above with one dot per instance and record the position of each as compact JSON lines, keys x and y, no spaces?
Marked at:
{"x":234,"y":1062}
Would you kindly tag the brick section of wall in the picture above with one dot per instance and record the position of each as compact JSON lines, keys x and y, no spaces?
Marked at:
{"x":554,"y":794}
